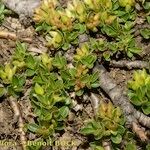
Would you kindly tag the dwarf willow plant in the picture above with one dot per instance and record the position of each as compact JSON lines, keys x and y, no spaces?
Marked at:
{"x":111,"y":18}
{"x":11,"y":76}
{"x":108,"y":124}
{"x":51,"y":79}
{"x":139,"y":90}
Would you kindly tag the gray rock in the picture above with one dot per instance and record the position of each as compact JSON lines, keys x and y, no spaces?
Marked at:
{"x":22,"y":7}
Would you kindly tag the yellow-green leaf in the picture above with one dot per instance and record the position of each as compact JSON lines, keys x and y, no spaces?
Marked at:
{"x":38,"y":89}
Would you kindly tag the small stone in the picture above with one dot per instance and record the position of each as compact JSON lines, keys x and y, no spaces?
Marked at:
{"x":72,"y":94}
{"x":71,"y":116}
{"x":78,"y":107}
{"x":83,"y":38}
{"x":14,"y":25}
{"x":31,"y":136}
{"x":138,"y":7}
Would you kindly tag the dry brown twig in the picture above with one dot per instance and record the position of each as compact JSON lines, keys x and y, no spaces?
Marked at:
{"x":120,"y":99}
{"x":106,"y":145}
{"x":94,"y":102}
{"x":130,"y":64}
{"x":18,"y":115}
{"x":139,"y":131}
{"x":143,"y":119}
{"x":13,"y":36}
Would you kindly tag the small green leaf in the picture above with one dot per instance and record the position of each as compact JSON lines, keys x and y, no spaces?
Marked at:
{"x":148,"y":92}
{"x":148,"y":19}
{"x":72,"y":36}
{"x":20,"y":51}
{"x":94,"y":77}
{"x":54,"y":39}
{"x":116,"y":139}
{"x":72,"y":72}
{"x":59,"y":61}
{"x":63,"y":113}
{"x":134,"y":50}
{"x":38,"y":89}
{"x":89,"y":60}
{"x":80,"y":27}
{"x":45,"y":132}
{"x":95,"y":85}
{"x":80,"y":92}
{"x":30,"y":62}
{"x":2,"y":91}
{"x":30,"y":72}
{"x":66,"y":46}
{"x":130,"y":146}
{"x":135,"y":99}
{"x":145,"y":33}
{"x":146,"y":108}
{"x":129,"y":54}
{"x":148,"y":147}
{"x":18,"y":82}
{"x":95,"y":146}
{"x":121,"y":130}
{"x":65,"y":75}
{"x":147,"y":6}
{"x":32,"y":127}
{"x":110,"y":31}
{"x":107,"y":55}
{"x":128,"y":25}
{"x":88,"y":129}
{"x":95,"y":128}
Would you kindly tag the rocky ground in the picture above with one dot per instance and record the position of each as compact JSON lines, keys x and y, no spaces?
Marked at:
{"x":77,"y":116}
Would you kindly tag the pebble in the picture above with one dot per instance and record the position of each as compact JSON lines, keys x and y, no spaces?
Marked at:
{"x":71,"y":116}
{"x":83,"y":38}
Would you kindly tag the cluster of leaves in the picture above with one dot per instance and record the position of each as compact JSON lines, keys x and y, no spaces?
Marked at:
{"x":108,"y":124}
{"x":50,"y":100}
{"x":52,"y":80}
{"x":146,"y":31}
{"x":124,"y":40}
{"x":51,"y":91}
{"x":87,"y":12}
{"x":10,"y":76}
{"x":139,"y":90}
{"x":110,"y":17}
{"x":3,"y":12}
